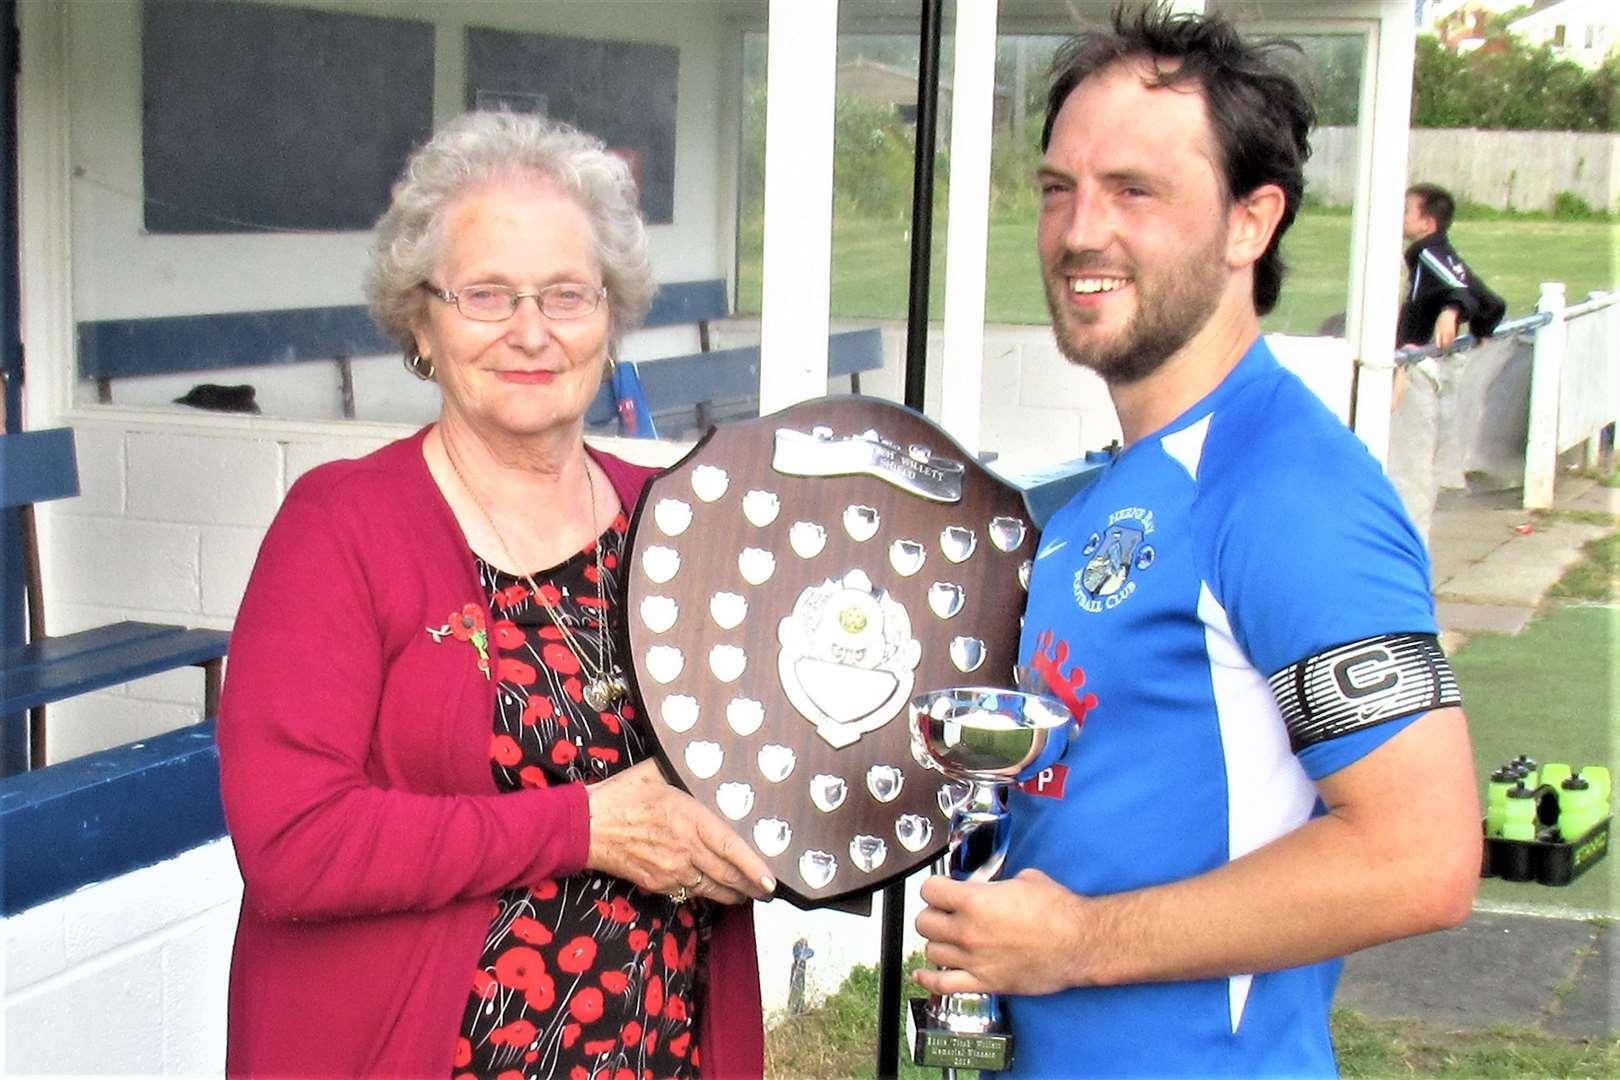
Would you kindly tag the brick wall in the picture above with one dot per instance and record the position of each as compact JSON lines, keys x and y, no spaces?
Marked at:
{"x":127,"y":977}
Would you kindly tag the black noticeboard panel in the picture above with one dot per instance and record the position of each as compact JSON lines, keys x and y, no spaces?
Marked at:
{"x":622,"y":92}
{"x":265,"y":118}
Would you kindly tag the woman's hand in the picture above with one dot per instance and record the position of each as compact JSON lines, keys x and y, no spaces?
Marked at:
{"x":661,"y":839}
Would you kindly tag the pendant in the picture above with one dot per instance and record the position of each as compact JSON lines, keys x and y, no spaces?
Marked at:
{"x":605,"y":690}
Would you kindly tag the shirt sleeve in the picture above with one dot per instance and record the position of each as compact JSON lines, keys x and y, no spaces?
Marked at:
{"x":318,"y":833}
{"x":1316,"y":552}
{"x":1447,"y":277}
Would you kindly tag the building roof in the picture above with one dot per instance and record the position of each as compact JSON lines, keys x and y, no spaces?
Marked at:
{"x":1568,"y":11}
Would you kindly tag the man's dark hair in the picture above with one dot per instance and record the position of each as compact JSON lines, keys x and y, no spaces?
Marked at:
{"x":1260,"y":115}
{"x":1437,"y":203}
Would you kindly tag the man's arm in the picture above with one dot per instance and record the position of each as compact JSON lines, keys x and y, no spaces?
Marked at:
{"x":1445,"y":326}
{"x":1446,"y":275}
{"x":1397,"y":853}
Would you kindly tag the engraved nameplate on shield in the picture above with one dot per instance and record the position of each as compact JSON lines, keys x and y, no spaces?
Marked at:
{"x":794,"y":581}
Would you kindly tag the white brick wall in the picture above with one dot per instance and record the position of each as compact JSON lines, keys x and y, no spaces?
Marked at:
{"x":1037,"y":409}
{"x":228,"y":553}
{"x":109,"y":718}
{"x":172,"y":512}
{"x":166,"y":530}
{"x":127,"y":976}
{"x":174,"y":507}
{"x":209,"y":481}
{"x":126,"y":563}
{"x":101,"y":470}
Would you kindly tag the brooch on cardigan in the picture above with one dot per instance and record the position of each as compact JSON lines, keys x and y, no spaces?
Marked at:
{"x":467,"y":625}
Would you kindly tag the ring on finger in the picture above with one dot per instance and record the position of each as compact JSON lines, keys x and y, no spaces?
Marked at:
{"x":679,"y":895}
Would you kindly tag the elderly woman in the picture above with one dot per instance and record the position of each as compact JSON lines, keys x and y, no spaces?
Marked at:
{"x":458,"y":856}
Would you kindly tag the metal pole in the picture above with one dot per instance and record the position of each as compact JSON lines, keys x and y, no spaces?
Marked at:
{"x":922,"y":203}
{"x":922,"y":234}
{"x":14,"y":728}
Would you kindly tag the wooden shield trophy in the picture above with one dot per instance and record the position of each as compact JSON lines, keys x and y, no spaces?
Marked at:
{"x":795,"y":581}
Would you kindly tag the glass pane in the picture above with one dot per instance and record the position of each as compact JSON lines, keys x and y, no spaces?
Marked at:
{"x":1038,"y":409}
{"x":1317,"y":248}
{"x":222,"y":197}
{"x":874,"y":140}
{"x":874,"y":143}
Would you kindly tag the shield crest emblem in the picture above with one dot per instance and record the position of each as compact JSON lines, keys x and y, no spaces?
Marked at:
{"x":1110,"y":565}
{"x":794,"y":581}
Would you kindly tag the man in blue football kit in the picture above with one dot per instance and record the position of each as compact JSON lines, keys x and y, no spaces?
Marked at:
{"x":1273,"y":769}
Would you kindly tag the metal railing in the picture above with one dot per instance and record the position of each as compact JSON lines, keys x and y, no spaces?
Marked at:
{"x":1574,"y":393}
{"x":1409,"y":356}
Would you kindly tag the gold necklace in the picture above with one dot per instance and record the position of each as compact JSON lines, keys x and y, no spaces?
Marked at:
{"x":605,"y":685}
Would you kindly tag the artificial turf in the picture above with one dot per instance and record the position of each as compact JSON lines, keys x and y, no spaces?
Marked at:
{"x":1551,"y":692}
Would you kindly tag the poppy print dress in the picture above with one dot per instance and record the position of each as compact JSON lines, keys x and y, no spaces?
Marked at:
{"x":587,"y":976}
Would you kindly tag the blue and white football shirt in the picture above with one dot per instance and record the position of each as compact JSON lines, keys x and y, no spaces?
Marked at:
{"x":1252,"y":532}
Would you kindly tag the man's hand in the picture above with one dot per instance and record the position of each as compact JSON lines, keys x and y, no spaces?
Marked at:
{"x":1445,"y":327}
{"x":1018,"y":936}
{"x":1354,"y":876}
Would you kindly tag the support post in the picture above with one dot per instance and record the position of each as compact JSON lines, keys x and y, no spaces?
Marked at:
{"x":795,"y":302}
{"x":922,"y":206}
{"x":1375,"y":223}
{"x":891,"y":958}
{"x":1546,"y":377}
{"x":967,"y":238}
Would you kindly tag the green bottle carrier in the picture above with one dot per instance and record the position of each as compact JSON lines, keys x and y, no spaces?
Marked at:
{"x":1547,"y":856}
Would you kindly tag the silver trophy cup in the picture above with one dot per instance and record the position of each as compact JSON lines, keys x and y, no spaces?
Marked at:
{"x":986,"y":739}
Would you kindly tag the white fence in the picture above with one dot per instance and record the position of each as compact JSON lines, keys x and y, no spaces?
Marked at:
{"x":1574,"y":385}
{"x":1524,"y":170}
{"x":1498,"y":414}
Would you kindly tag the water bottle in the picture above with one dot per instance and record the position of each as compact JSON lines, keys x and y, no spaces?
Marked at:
{"x":1598,"y":777}
{"x":1502,"y":780}
{"x":1578,"y":809}
{"x":1519,"y":816}
{"x":1527,"y":769}
{"x":1555,"y":773}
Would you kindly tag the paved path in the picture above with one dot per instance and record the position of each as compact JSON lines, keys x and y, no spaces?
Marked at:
{"x":1492,"y":564}
{"x":1556,"y":975}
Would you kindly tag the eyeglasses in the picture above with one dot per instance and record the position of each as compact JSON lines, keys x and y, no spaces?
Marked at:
{"x":497,"y":303}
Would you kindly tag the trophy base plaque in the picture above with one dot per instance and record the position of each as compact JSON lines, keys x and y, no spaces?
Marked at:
{"x":940,"y":1048}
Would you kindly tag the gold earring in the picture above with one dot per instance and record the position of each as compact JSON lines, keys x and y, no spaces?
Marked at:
{"x":420,"y":366}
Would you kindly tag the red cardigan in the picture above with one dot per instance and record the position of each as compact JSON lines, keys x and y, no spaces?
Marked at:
{"x":355,"y":773}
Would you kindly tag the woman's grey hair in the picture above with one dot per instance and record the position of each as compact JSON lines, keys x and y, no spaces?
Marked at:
{"x":480,"y":147}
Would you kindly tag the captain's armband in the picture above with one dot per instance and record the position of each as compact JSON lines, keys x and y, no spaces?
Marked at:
{"x":1354,"y":686}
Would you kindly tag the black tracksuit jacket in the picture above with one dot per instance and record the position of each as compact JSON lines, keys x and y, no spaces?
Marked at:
{"x":1437,"y":278}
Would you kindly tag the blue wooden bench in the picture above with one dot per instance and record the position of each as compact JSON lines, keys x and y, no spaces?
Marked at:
{"x":688,"y":393}
{"x":36,"y":467}
{"x":120,"y":348}
{"x":107,"y":813}
{"x":684,"y":392}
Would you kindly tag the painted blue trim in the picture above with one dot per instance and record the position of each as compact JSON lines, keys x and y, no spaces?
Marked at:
{"x":11,"y":358}
{"x":688,"y":302}
{"x":57,"y":668}
{"x":99,"y":816}
{"x":1046,"y":491}
{"x":37,"y":466}
{"x":116,"y":348}
{"x":672,"y":383}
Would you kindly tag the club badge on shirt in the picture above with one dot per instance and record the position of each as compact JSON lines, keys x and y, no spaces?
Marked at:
{"x":1112,"y":555}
